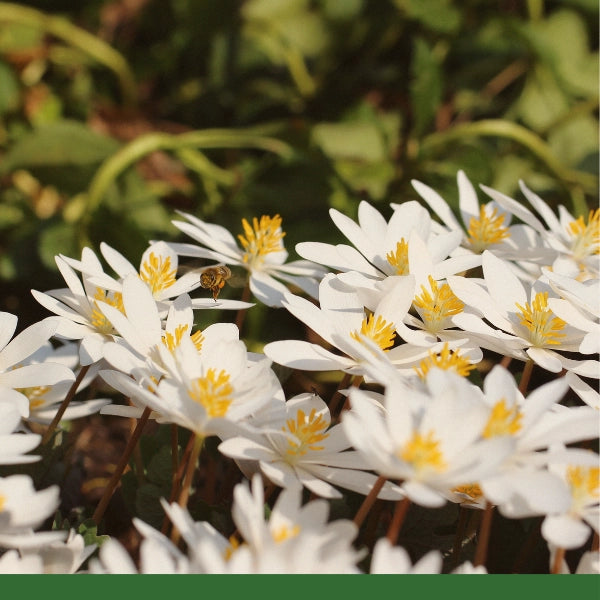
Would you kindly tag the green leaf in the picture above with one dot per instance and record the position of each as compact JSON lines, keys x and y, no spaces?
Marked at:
{"x":426,"y":85}
{"x":89,"y":531}
{"x":147,"y":504}
{"x":160,"y":469}
{"x":58,"y":238}
{"x":358,"y":141}
{"x":438,"y":15}
{"x":64,"y":143}
{"x":574,"y":139}
{"x":9,"y":89}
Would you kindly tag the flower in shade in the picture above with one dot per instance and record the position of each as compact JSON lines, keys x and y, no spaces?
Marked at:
{"x":294,"y":539}
{"x":260,"y":251}
{"x":394,"y":560}
{"x":431,"y":440}
{"x":574,"y":241}
{"x":14,"y":446}
{"x":304,"y":450}
{"x":15,"y":374}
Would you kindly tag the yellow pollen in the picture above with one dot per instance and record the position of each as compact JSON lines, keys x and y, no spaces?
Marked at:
{"x":285,"y":533}
{"x":472,"y":490}
{"x":2,"y":502}
{"x":437,"y":306}
{"x":503,"y":420}
{"x":198,"y":340}
{"x":447,"y":360}
{"x":544,"y":328}
{"x":585,"y":485}
{"x":585,"y":238}
{"x":309,"y":432}
{"x":98,"y":320}
{"x":35,"y":395}
{"x":261,"y":238}
{"x":172,"y":341}
{"x":398,"y":259}
{"x":213,"y":392}
{"x":233,"y":546}
{"x":158,"y":273}
{"x":487,"y":230}
{"x":423,"y":453}
{"x":378,"y":330}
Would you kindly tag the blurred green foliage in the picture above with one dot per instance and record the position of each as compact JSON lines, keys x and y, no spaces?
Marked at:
{"x":113,"y":114}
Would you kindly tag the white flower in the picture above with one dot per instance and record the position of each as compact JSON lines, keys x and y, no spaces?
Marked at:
{"x":262,"y":254}
{"x":343,"y":323}
{"x":77,"y":303}
{"x":14,"y":374}
{"x":205,"y":392}
{"x":570,"y":527}
{"x":23,"y":508}
{"x":44,"y":399}
{"x":410,"y":243}
{"x":575,"y":242}
{"x":527,"y":328}
{"x":484,"y":227}
{"x":394,"y":560}
{"x":13,"y":446}
{"x":430,"y":441}
{"x":304,"y":450}
{"x":295,"y":539}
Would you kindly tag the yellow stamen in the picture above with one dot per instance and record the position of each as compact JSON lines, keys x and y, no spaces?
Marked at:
{"x":503,"y":420}
{"x":585,"y":486}
{"x":447,"y":360}
{"x":472,"y":490}
{"x":309,"y":432}
{"x":98,"y":320}
{"x":35,"y":395}
{"x":586,"y":238}
{"x":398,"y":259}
{"x":198,"y":340}
{"x":423,"y":453}
{"x":2,"y":502}
{"x":233,"y":546}
{"x":487,"y":230}
{"x":261,"y":238}
{"x":439,"y":305}
{"x":158,"y":273}
{"x":544,"y":328}
{"x":213,"y":392}
{"x":172,"y":341}
{"x":378,"y":330}
{"x":285,"y":533}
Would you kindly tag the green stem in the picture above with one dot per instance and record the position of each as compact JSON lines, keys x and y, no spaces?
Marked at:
{"x":65,"y":403}
{"x":76,"y":37}
{"x":512,"y":131}
{"x":152,"y":142}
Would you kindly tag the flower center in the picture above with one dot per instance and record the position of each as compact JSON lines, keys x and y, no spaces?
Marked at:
{"x":35,"y":395}
{"x":158,"y":273}
{"x":423,"y":453}
{"x":437,"y":306}
{"x":487,"y":230}
{"x":398,"y":259}
{"x":503,"y":420}
{"x":471,"y":490}
{"x":448,"y":360}
{"x":98,"y":320}
{"x":261,"y":238}
{"x":544,"y":328}
{"x":213,"y":392}
{"x":309,"y":431}
{"x":378,"y":330}
{"x":585,"y":238}
{"x":285,"y":533}
{"x":171,"y":341}
{"x":2,"y":502}
{"x":585,"y":486}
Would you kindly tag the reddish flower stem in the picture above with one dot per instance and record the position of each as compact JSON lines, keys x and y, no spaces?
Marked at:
{"x":398,"y":518}
{"x":368,"y":502}
{"x":484,"y":535}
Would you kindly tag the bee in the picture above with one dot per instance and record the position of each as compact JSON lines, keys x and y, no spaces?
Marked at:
{"x":214,"y":279}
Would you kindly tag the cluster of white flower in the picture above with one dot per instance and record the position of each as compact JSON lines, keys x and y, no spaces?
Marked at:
{"x":406,"y":311}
